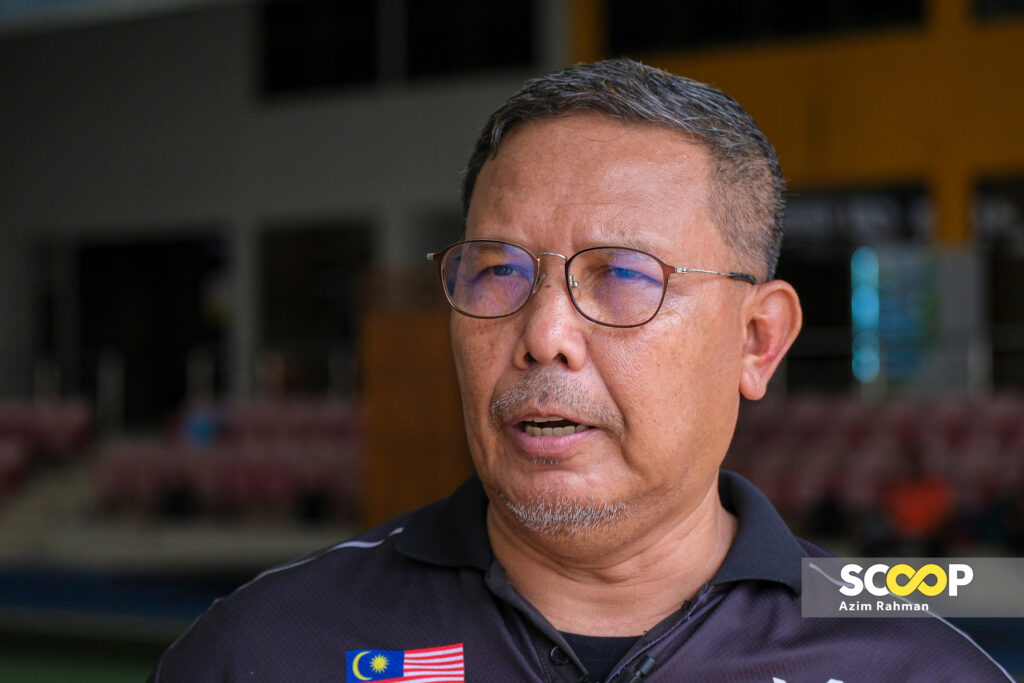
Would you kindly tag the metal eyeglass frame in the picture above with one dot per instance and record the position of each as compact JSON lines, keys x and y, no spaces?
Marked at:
{"x":570,"y":281}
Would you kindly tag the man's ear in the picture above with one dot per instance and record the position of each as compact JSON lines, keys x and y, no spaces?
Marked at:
{"x":774,"y":318}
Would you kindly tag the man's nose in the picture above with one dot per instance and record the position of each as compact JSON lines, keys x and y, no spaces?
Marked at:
{"x":552,"y":329}
{"x":570,"y":280}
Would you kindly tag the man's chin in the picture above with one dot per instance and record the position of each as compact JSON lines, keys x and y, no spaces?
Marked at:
{"x":553,"y":513}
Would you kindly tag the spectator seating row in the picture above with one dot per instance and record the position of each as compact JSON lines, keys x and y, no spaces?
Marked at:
{"x":39,"y":432}
{"x":799,"y":449}
{"x":298,"y":418}
{"x":257,"y":477}
{"x":48,"y":429}
{"x":272,"y":455}
{"x":951,"y":420}
{"x":14,"y":464}
{"x":256,"y":456}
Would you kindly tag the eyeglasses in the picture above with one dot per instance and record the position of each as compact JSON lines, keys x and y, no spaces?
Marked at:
{"x":613,"y":286}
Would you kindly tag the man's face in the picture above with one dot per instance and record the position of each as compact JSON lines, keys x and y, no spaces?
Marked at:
{"x":660,"y":400}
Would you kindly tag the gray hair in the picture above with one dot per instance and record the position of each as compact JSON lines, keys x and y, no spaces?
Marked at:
{"x":746,"y":201}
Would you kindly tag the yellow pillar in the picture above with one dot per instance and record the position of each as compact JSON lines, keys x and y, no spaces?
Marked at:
{"x":947,"y":15}
{"x":951,"y":196}
{"x":587,"y":30}
{"x":951,"y":181}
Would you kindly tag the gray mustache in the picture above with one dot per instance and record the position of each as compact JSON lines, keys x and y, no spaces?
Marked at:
{"x":557,"y":391}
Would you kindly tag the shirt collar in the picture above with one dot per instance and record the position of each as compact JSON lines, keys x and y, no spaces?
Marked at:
{"x":453,"y":533}
{"x":764,"y":548}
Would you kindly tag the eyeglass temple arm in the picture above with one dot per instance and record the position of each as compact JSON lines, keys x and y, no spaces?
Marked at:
{"x":734,"y":276}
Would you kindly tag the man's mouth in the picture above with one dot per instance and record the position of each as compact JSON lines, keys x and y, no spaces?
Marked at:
{"x":551,"y":426}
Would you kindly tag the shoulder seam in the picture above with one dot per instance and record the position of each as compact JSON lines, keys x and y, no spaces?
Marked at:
{"x":365,"y":545}
{"x":274,"y":570}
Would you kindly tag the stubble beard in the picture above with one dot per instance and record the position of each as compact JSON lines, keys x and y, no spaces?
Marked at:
{"x":555,"y":514}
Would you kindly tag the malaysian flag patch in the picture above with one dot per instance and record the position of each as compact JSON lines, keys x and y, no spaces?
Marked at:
{"x":437,"y":664}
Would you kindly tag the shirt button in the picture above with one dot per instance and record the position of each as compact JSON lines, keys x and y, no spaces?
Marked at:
{"x":558,"y":656}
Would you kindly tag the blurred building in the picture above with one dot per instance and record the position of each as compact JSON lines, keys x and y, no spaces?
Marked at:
{"x":212,"y":185}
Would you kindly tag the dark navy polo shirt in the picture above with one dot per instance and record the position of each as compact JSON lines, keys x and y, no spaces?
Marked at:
{"x":428,"y":579}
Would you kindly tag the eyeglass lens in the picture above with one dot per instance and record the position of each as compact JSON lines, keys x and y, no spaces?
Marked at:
{"x":610,"y":285}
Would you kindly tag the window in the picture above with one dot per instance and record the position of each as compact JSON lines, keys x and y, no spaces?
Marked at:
{"x":309,"y":45}
{"x":313,"y":282}
{"x":147,"y":309}
{"x":995,"y":9}
{"x":467,"y":35}
{"x":823,"y":231}
{"x":317,"y":44}
{"x":999,"y":224}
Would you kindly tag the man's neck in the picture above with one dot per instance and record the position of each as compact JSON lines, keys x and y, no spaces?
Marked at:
{"x":622,"y":587}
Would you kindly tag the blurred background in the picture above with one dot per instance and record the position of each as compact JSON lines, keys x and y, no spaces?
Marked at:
{"x":221,"y":348}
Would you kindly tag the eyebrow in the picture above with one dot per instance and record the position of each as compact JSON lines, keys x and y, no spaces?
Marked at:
{"x":630,"y":242}
{"x":622,"y":240}
{"x":489,"y":245}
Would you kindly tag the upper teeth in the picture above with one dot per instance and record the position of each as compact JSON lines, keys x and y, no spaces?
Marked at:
{"x":531,"y":428}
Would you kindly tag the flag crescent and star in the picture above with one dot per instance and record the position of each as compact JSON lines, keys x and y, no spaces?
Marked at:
{"x":441,"y":664}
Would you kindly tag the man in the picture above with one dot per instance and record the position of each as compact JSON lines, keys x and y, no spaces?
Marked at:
{"x":614,"y":300}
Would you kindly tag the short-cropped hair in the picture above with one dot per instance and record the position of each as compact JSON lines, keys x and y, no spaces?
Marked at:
{"x":746,"y":201}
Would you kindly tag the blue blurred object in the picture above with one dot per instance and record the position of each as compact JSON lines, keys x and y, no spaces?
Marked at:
{"x":202,"y":427}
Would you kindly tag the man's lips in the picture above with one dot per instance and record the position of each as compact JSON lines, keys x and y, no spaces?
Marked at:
{"x":550,"y":399}
{"x":547,"y":437}
{"x":550,"y":426}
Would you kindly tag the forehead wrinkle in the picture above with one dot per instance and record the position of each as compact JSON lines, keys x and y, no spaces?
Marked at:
{"x":577,"y":173}
{"x":600,"y":200}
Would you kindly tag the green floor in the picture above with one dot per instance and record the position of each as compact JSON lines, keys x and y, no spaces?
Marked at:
{"x":60,"y":660}
{"x":31,"y":668}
